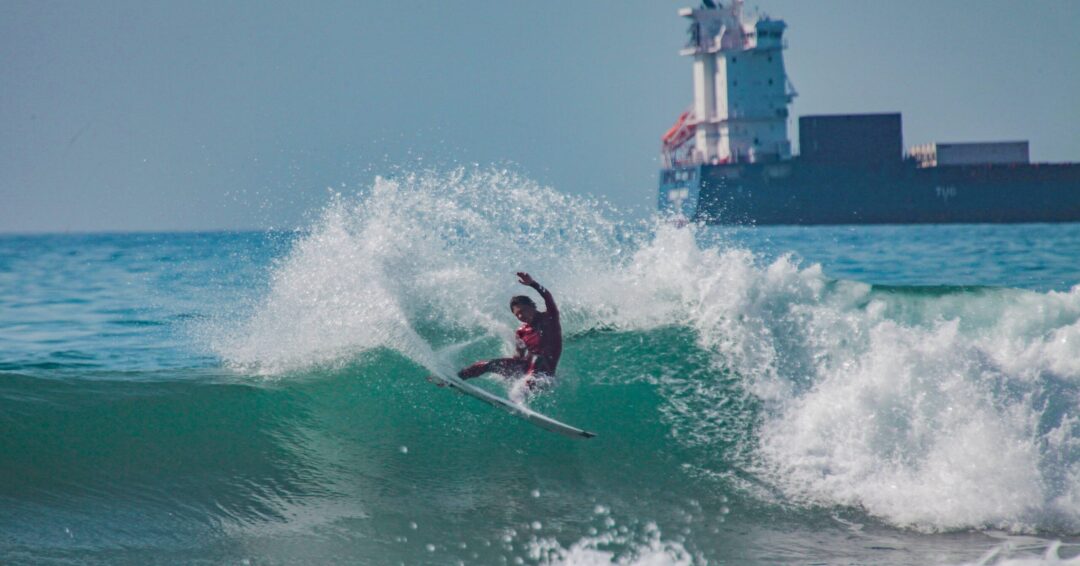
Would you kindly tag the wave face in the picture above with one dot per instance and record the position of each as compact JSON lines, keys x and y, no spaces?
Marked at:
{"x":748,"y":408}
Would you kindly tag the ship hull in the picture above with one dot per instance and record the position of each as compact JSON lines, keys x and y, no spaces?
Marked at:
{"x":798,"y":193}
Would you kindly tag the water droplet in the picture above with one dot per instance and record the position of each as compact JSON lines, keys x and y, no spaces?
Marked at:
{"x":430,"y":548}
{"x":535,"y":493}
{"x":413,"y":525}
{"x":404,"y":449}
{"x":537,"y":526}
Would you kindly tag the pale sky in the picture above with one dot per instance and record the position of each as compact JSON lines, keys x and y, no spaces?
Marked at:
{"x":195,"y":115}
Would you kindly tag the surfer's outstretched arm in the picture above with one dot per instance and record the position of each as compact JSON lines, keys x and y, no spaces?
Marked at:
{"x":549,"y":301}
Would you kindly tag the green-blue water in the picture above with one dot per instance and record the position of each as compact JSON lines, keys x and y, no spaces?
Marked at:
{"x":849,"y":395}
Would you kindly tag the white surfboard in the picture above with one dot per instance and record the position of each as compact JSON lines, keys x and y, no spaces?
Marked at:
{"x":543,"y":421}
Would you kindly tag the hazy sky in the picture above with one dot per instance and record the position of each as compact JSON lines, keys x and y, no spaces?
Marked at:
{"x":151,"y":115}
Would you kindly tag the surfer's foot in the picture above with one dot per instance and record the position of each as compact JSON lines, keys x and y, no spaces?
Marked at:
{"x":438,"y":382}
{"x":538,"y":382}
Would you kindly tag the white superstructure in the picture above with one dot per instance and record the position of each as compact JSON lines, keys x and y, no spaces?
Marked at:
{"x":741,"y":92}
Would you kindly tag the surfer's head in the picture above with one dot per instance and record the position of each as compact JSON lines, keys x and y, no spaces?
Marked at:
{"x":523,"y":308}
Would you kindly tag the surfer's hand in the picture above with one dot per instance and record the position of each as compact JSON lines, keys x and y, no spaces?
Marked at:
{"x":525,"y":279}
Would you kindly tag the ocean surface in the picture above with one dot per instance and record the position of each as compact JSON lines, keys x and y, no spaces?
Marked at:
{"x":809,"y":395}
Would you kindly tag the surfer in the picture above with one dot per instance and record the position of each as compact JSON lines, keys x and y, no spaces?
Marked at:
{"x":536,"y":355}
{"x":538,"y":344}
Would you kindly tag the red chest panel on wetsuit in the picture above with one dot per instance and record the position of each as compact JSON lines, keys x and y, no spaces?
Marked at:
{"x":543,"y":338}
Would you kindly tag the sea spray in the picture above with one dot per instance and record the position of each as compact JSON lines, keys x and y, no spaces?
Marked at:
{"x":426,"y":253}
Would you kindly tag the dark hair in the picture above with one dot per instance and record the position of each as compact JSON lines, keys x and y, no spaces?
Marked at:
{"x":521,"y":300}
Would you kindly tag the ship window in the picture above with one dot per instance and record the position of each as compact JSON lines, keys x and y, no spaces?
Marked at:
{"x":734,"y":83}
{"x":770,"y":58}
{"x":770,"y":80}
{"x":734,"y":60}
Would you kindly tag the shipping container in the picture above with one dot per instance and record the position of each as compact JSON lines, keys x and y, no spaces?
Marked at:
{"x":971,"y":153}
{"x":983,"y":153}
{"x":851,"y":140}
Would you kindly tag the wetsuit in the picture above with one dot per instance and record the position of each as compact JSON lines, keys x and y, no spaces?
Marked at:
{"x":539,"y":346}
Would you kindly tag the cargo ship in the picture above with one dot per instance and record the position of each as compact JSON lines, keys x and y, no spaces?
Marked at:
{"x":728,"y":159}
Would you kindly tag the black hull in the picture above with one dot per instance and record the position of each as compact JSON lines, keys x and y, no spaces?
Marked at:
{"x":798,"y":193}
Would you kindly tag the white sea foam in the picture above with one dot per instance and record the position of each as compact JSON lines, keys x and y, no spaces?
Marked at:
{"x":933,"y":411}
{"x":1028,"y":553}
{"x":930,"y":411}
{"x":597,"y":550}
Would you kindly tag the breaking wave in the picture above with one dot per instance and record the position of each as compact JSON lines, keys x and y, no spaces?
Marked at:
{"x":927,"y":408}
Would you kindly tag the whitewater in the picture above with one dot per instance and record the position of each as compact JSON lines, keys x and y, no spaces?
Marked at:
{"x":759,"y":396}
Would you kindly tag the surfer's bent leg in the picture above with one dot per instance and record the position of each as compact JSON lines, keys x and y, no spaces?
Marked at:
{"x":541,"y":373}
{"x":506,"y":367}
